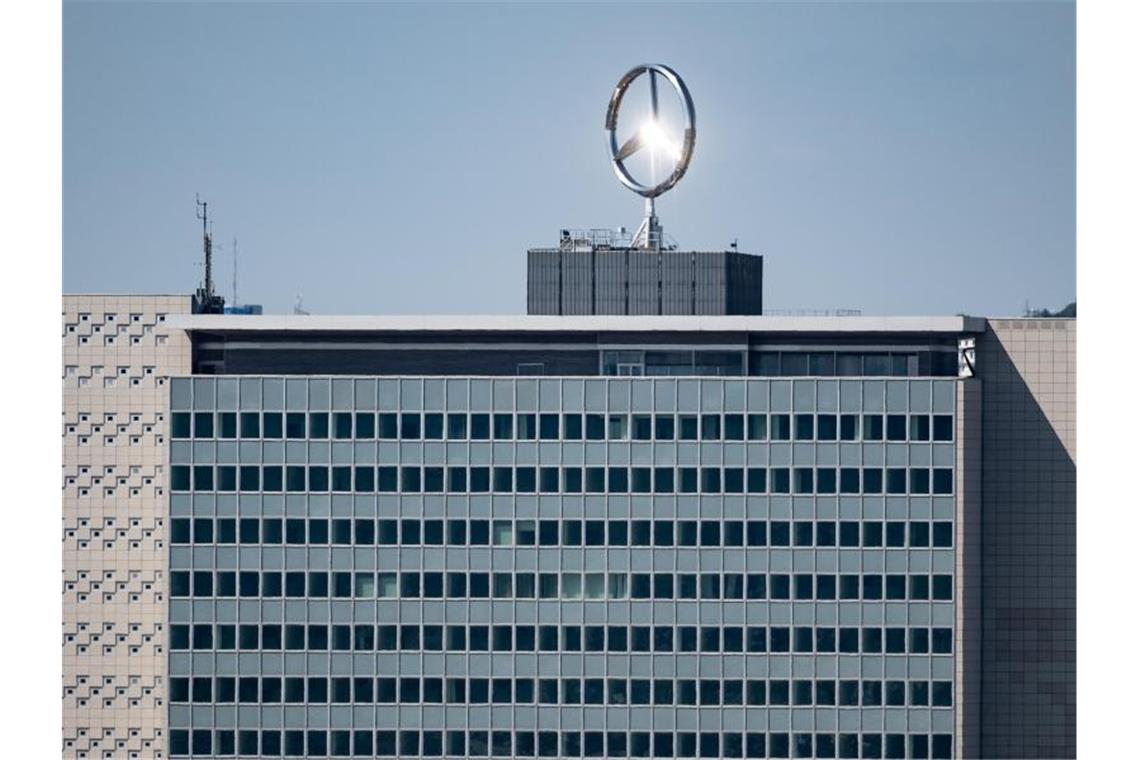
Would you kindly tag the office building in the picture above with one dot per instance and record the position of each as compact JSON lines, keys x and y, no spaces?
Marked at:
{"x":561,"y":536}
{"x":725,"y":537}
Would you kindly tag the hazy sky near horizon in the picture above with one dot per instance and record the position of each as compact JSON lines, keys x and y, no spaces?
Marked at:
{"x":899,"y":158}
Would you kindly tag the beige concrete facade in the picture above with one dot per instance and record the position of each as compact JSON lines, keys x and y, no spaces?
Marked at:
{"x":1029,"y":507}
{"x":117,"y":355}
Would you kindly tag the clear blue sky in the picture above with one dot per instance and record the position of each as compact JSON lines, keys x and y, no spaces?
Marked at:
{"x":900,"y":158}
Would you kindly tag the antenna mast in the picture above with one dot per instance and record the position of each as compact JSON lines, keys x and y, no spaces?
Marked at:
{"x":202,"y":213}
{"x":205,"y":301}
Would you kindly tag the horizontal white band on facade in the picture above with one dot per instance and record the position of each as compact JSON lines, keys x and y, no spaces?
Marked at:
{"x":556,"y":324}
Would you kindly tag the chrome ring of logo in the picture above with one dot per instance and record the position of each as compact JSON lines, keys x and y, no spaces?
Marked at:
{"x":650,"y":135}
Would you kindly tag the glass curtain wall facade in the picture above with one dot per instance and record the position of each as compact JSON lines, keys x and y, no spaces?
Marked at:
{"x":562,"y":567}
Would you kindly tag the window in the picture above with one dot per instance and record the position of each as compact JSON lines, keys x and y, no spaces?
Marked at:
{"x":757,"y":480}
{"x":203,"y":425}
{"x":804,"y":480}
{"x":480,"y":427}
{"x":710,"y":480}
{"x":410,"y":426}
{"x":456,"y":479}
{"x":825,"y":480}
{"x":640,"y":480}
{"x":876,"y":365}
{"x":896,"y":427}
{"x":943,"y":480}
{"x":295,"y":425}
{"x":872,"y":480}
{"x":250,"y":425}
{"x":896,"y":480}
{"x":779,"y":480}
{"x":433,"y":427}
{"x":456,"y":426}
{"x":503,"y":427}
{"x":365,"y":425}
{"x":502,"y":533}
{"x":180,"y":425}
{"x":318,"y":425}
{"x":941,"y":640}
{"x":849,"y":480}
{"x":919,"y":480}
{"x":272,"y":425}
{"x":942,"y":587}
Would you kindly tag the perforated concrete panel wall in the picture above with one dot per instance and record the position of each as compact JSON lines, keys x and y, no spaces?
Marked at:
{"x":117,"y":355}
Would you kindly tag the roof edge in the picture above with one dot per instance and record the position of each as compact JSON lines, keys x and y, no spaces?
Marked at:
{"x":534,"y":323}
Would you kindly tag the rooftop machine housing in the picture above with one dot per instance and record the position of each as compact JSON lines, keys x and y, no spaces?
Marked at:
{"x":594,"y":272}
